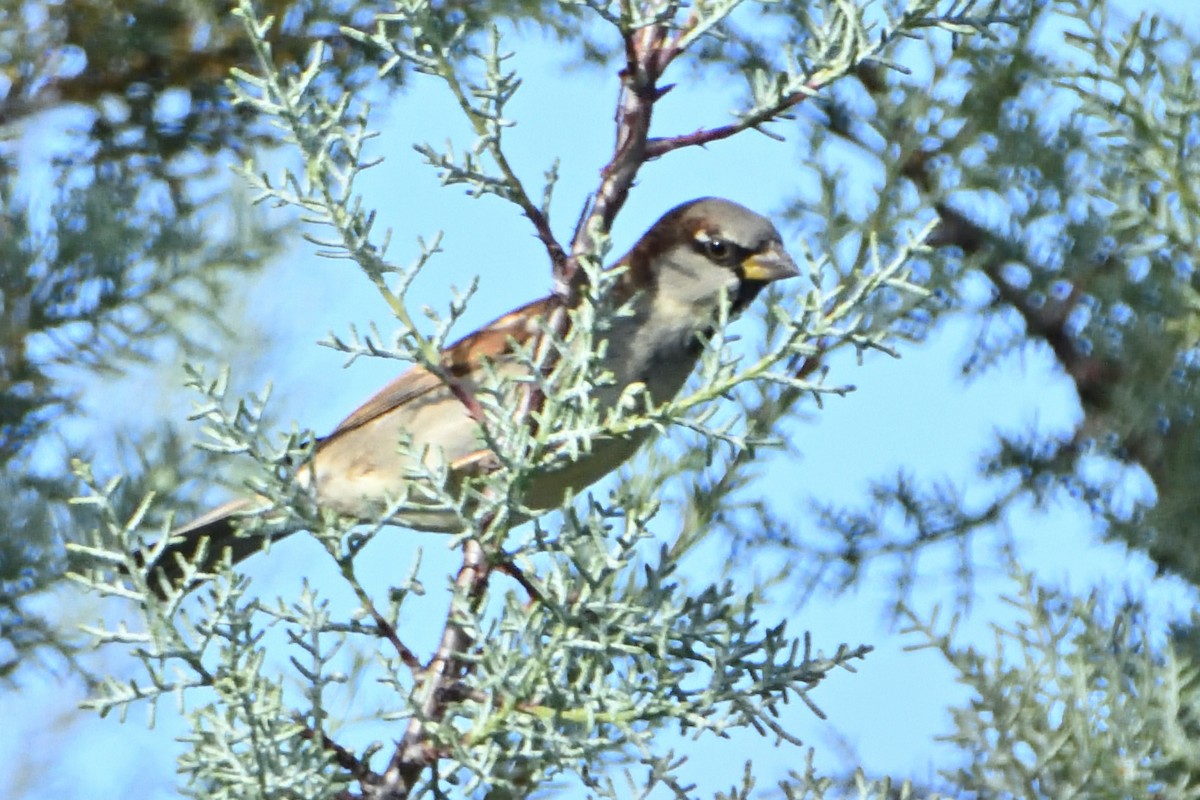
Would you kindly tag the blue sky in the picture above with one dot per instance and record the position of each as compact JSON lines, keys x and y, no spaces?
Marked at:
{"x":913,"y":411}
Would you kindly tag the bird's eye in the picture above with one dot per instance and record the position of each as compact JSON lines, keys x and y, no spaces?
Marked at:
{"x":717,"y":249}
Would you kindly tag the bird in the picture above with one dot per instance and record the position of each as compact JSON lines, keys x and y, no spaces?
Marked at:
{"x":673,"y":282}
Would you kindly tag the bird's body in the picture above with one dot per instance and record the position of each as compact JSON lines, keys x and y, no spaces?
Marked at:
{"x":697,"y":256}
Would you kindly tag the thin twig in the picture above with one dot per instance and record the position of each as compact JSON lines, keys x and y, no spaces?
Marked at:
{"x":660,"y":146}
{"x":517,"y":193}
{"x":341,"y":756}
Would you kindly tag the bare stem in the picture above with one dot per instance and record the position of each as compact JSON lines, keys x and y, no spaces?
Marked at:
{"x":414,"y":754}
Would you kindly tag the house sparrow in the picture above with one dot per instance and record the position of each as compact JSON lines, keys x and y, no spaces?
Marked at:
{"x":674,"y":280}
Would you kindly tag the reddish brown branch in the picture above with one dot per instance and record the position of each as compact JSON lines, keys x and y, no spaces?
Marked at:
{"x":341,"y":756}
{"x":648,"y":52}
{"x":388,"y":631}
{"x":541,"y":224}
{"x":465,"y":396}
{"x":507,"y":567}
{"x":658,"y":147}
{"x":437,"y":682}
{"x":1094,"y":377}
{"x":806,"y":365}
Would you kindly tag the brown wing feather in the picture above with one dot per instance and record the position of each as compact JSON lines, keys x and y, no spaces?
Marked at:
{"x":490,"y":342}
{"x":411,"y":384}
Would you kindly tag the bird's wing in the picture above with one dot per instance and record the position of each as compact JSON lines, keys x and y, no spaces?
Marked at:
{"x":461,"y":359}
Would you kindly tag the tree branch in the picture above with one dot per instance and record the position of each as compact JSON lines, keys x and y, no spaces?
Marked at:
{"x":649,"y":50}
{"x":660,"y":146}
{"x":414,"y":754}
{"x":1094,"y":376}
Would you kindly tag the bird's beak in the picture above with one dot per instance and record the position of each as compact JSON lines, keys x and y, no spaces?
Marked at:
{"x":772,"y":264}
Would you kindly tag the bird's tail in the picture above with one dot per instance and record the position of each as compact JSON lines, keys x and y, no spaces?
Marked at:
{"x":203,"y":543}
